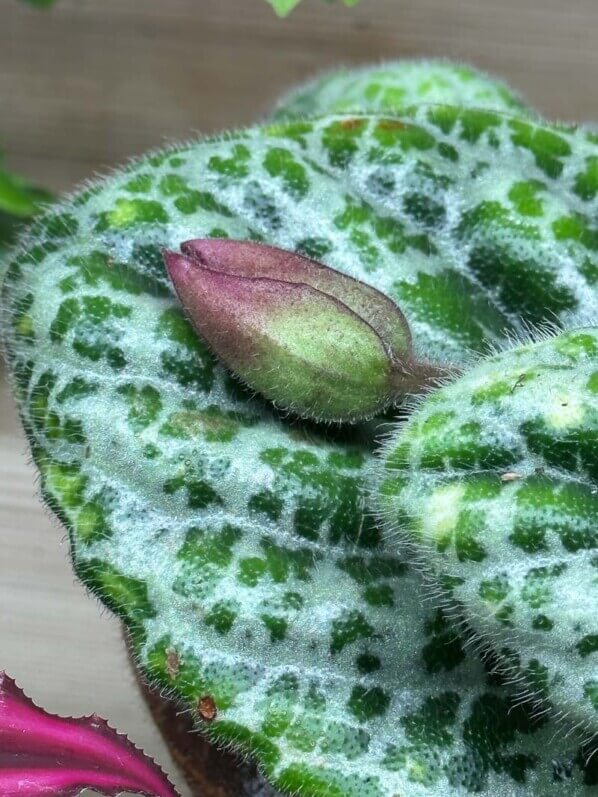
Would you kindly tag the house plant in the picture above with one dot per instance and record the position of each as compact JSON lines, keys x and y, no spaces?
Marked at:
{"x":238,"y":543}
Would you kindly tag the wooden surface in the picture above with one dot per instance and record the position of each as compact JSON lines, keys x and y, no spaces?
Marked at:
{"x":95,"y":81}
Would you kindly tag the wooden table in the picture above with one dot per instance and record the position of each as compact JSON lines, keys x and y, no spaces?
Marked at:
{"x":94,"y":81}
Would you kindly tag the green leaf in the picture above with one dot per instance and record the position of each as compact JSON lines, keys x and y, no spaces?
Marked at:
{"x":19,"y":200}
{"x":18,"y":197}
{"x":495,"y":482}
{"x":396,"y":85}
{"x":283,"y":7}
{"x":234,"y":541}
{"x":9,"y":227}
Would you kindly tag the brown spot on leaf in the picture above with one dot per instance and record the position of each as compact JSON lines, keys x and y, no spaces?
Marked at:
{"x":173,"y":663}
{"x":391,"y":124}
{"x":207,"y":708}
{"x":352,"y":124}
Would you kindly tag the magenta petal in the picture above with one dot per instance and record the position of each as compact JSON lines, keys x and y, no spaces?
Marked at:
{"x":64,"y":782}
{"x":41,"y":754}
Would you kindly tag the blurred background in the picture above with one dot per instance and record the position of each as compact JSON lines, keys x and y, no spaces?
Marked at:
{"x":87,"y":84}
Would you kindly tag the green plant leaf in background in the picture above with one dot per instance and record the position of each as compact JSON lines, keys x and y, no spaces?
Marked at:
{"x":18,"y":197}
{"x":392,"y":86}
{"x":19,"y":201}
{"x":284,"y":7}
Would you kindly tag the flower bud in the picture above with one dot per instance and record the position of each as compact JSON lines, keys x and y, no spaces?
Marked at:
{"x":309,"y":338}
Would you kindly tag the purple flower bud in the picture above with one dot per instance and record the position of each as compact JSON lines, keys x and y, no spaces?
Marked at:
{"x":309,"y":338}
{"x":41,"y":754}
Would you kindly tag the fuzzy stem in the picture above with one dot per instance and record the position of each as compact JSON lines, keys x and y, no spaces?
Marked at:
{"x":419,"y":376}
